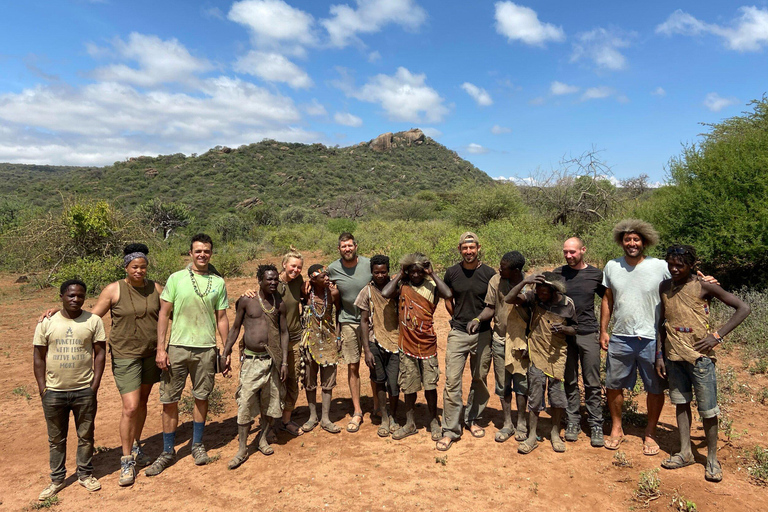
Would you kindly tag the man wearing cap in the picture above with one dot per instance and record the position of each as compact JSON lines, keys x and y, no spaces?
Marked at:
{"x":468,"y":282}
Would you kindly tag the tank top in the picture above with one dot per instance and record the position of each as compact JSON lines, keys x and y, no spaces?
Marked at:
{"x":134,"y":321}
{"x":291,"y":294}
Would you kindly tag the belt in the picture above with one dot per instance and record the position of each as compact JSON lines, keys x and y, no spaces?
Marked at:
{"x":261,"y":355}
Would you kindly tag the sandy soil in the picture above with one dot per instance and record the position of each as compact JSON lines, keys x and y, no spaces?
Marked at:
{"x":321,"y":471}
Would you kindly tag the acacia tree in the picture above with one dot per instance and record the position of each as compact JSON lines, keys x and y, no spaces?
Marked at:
{"x":165,"y":216}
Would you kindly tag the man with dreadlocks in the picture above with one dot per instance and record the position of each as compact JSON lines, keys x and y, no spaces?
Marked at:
{"x":553,"y":317}
{"x":685,"y":352}
{"x":417,"y":341}
{"x":320,"y":346}
{"x":261,"y":389}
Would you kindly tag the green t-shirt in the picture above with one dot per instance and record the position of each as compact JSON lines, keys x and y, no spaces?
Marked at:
{"x":194,"y":317}
{"x":350,"y":281}
{"x":69,"y":360}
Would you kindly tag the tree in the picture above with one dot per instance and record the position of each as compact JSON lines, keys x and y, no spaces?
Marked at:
{"x":165,"y":216}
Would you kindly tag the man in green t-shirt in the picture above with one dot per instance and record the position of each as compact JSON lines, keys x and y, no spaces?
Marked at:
{"x":69,"y":356}
{"x":198,"y":299}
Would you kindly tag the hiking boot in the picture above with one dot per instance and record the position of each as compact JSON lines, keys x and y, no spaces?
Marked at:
{"x":51,"y":491}
{"x":127,"y":471}
{"x":596,"y":437}
{"x":90,"y":483}
{"x":141,"y":458}
{"x":572,"y":432}
{"x":200,"y":455}
{"x":163,"y":460}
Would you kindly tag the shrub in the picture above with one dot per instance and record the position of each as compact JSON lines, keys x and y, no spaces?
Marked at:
{"x":477,"y":205}
{"x":340,"y":225}
{"x":299,"y":215}
{"x":95,"y":272}
{"x":229,"y":227}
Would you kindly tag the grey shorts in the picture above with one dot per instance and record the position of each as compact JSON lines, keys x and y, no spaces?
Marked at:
{"x":198,"y":363}
{"x":538,"y":383}
{"x":686,"y":378}
{"x":260,"y":390}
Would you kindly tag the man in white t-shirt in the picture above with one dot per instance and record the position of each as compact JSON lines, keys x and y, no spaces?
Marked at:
{"x":69,"y":357}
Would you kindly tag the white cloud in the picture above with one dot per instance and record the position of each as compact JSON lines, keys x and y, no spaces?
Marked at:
{"x":559,"y":88}
{"x":433,"y":133}
{"x":476,"y":149}
{"x":716,"y":103}
{"x":659,"y":91}
{"x":159,"y":62}
{"x":212,"y":12}
{"x":374,"y":56}
{"x":315,"y":108}
{"x":538,"y":100}
{"x":370,"y":16}
{"x":347,"y":119}
{"x":597,"y":93}
{"x":746,"y":33}
{"x":275,"y":25}
{"x":404,"y":96}
{"x":602,"y":48}
{"x":519,"y":23}
{"x":273,"y":67}
{"x":479,"y":94}
{"x":499,"y":130}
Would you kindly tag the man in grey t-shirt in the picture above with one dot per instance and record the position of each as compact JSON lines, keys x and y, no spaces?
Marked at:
{"x":632,"y":298}
{"x":351,"y":273}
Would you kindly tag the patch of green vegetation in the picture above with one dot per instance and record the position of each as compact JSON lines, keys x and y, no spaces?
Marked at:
{"x":758,"y":465}
{"x":648,"y":486}
{"x":22,"y":392}
{"x":216,"y":403}
{"x":46,"y":503}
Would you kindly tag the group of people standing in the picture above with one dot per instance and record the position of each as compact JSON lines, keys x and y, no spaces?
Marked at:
{"x":297,"y":331}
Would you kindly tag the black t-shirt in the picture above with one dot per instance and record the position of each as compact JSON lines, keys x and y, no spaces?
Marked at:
{"x":469,"y":288}
{"x":581,"y":286}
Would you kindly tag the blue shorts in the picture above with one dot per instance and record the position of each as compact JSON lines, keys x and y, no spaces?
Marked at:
{"x":686,"y":378}
{"x":626,"y":356}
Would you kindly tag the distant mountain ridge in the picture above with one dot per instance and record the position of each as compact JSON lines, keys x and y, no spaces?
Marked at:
{"x":392,"y":165}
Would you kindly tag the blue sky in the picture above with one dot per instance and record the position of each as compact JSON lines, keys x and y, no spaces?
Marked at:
{"x":511,"y":86}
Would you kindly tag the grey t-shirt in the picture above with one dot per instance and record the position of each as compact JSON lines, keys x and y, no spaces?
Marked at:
{"x":350,"y":281}
{"x":636,"y":299}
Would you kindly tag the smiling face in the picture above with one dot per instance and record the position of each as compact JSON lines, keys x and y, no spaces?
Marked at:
{"x":573,"y":251}
{"x":633,"y":246}
{"x":469,"y":252}
{"x":201,"y":255}
{"x":416,"y":275}
{"x":72,"y":300}
{"x":380,"y":274}
{"x":292,"y":268}
{"x":269,"y":281}
{"x":136,"y":270}
{"x":348,"y":250}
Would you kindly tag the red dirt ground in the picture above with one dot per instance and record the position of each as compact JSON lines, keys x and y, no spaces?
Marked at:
{"x":351,"y":472}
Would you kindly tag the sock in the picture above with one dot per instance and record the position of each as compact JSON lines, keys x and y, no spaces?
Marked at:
{"x":197,"y":432}
{"x":169,"y":441}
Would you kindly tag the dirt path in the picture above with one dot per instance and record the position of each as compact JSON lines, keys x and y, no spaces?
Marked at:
{"x":320,"y":471}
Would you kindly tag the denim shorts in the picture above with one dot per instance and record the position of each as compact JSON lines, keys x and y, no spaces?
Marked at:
{"x":686,"y":378}
{"x":626,"y":356}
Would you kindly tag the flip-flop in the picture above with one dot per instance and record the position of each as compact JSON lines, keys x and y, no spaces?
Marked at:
{"x":393,"y":426}
{"x":716,"y":475}
{"x":331,"y":427}
{"x":401,"y":433}
{"x":442,"y":446}
{"x":353,"y":426}
{"x":309,"y":426}
{"x":650,"y":449}
{"x":237,"y":461}
{"x":284,"y":428}
{"x":526,"y":448}
{"x":521,"y":435}
{"x":478,"y":433}
{"x":503,"y":434}
{"x":558,"y":445}
{"x":613,"y":443}
{"x":676,"y":461}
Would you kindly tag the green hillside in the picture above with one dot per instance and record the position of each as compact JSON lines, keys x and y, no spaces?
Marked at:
{"x":269,"y":172}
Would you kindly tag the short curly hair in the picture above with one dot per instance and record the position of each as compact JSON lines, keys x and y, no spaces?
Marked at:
{"x":639,"y":227}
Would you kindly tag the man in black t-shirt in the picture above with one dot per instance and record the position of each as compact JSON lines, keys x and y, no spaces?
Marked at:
{"x":468,"y":282}
{"x":582,"y":282}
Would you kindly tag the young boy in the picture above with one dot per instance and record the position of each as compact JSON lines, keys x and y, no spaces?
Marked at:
{"x":685,"y":352}
{"x":553,"y":317}
{"x":379,"y":330}
{"x":69,"y":357}
{"x":417,"y":340}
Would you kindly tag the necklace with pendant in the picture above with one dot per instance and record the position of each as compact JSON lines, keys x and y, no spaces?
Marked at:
{"x":194,"y":284}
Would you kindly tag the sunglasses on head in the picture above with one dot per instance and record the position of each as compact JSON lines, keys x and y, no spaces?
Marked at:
{"x":678,"y":250}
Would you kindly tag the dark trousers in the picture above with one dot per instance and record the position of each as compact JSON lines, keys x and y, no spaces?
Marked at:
{"x":584,"y":350}
{"x":56,"y":407}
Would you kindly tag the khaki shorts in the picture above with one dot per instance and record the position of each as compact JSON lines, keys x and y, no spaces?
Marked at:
{"x":130,"y":374}
{"x":260,"y":390}
{"x":351,"y":343}
{"x":416,"y":373}
{"x":327,"y":376}
{"x":198,"y":363}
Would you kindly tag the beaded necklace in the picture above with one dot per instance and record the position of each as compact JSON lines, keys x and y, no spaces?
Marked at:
{"x":261,"y":302}
{"x":312,"y":303}
{"x":194,"y":284}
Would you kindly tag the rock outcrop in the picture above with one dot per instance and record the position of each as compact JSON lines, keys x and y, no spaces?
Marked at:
{"x":389,"y":140}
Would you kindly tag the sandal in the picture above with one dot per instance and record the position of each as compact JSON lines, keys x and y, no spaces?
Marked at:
{"x":309,"y":426}
{"x":613,"y":443}
{"x":286,"y":427}
{"x":331,"y":428}
{"x":521,"y":435}
{"x":393,"y":426}
{"x":676,"y":461}
{"x":354,"y":426}
{"x":526,"y":448}
{"x":437,"y":432}
{"x":442,"y":446}
{"x":715,"y":475}
{"x":402,"y":433}
{"x":650,"y":449}
{"x":382,"y":431}
{"x":266,"y":450}
{"x":237,"y":461}
{"x":503,"y":434}
{"x":478,"y":432}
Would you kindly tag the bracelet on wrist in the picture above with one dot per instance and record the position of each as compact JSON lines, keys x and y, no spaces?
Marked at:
{"x":659,"y":354}
{"x":717,"y":336}
{"x":476,"y":320}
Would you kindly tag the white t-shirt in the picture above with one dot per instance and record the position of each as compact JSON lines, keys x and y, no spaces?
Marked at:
{"x":636,"y":299}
